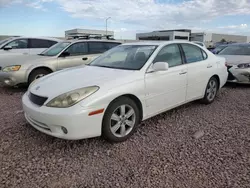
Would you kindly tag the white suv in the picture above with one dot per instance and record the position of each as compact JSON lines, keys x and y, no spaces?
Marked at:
{"x":25,"y":45}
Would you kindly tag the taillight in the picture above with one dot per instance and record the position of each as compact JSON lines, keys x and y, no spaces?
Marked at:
{"x":226,"y":64}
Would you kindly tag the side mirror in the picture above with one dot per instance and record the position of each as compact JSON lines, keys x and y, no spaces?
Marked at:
{"x":160,"y":66}
{"x":65,"y":54}
{"x":7,"y":48}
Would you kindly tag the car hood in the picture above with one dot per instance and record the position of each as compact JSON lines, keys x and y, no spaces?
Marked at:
{"x":8,"y":60}
{"x":79,"y":77}
{"x":236,"y":59}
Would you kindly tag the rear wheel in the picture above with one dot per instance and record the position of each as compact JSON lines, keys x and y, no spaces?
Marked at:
{"x":121,"y":119}
{"x":36,"y":74}
{"x":211,"y":91}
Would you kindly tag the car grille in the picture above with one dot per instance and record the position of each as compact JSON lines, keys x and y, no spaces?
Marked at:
{"x":38,"y":100}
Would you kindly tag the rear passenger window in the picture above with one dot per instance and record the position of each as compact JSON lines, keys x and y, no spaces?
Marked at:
{"x":40,"y":43}
{"x":170,"y":54}
{"x":109,"y":45}
{"x":204,"y":54}
{"x":51,"y":43}
{"x":192,"y":53}
{"x":96,"y":47}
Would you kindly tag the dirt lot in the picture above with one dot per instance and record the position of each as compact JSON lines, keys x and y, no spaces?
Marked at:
{"x":192,"y":146}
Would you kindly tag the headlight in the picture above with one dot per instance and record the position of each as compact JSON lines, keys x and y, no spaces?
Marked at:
{"x":244,"y":66}
{"x":71,"y":98}
{"x":11,"y":68}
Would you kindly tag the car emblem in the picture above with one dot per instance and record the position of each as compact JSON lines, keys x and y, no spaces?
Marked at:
{"x":38,"y":87}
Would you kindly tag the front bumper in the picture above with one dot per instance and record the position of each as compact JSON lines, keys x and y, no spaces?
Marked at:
{"x":237,"y":75}
{"x":54,"y":121}
{"x":13,"y":78}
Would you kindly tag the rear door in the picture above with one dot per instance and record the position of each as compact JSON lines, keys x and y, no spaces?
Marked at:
{"x":200,"y":70}
{"x":39,"y":45}
{"x":17,"y":46}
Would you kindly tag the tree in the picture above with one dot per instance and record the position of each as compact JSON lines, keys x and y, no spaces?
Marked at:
{"x":223,"y":40}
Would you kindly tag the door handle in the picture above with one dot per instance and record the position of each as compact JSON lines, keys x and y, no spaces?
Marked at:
{"x":84,"y":58}
{"x":181,"y":73}
{"x":209,"y":66}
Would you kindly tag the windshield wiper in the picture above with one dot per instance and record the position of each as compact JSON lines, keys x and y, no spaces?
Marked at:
{"x":41,"y":54}
{"x":105,"y":66}
{"x":112,"y":67}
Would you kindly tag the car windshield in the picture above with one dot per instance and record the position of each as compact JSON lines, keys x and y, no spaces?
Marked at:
{"x":4,"y":41}
{"x":55,"y":50}
{"x":236,"y":50}
{"x":220,"y":48}
{"x":128,"y":57}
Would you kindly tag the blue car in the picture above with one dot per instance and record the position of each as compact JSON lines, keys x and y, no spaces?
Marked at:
{"x":219,"y":48}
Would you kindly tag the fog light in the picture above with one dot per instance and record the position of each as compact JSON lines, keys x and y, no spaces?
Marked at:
{"x":7,"y":81}
{"x":65,"y":131}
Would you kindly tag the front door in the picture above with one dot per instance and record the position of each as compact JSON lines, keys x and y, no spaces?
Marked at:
{"x":78,"y":55}
{"x":166,"y":89}
{"x":18,"y":46}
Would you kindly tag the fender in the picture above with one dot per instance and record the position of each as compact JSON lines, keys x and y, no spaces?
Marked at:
{"x":40,"y":65}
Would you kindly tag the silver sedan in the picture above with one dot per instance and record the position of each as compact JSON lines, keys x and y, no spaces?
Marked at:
{"x":238,"y":62}
{"x":21,"y":69}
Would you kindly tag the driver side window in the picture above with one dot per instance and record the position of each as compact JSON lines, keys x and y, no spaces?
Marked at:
{"x":170,"y":54}
{"x":18,"y":44}
{"x":79,"y":48}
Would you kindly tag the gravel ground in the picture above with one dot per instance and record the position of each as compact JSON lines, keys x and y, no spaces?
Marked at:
{"x":192,"y":146}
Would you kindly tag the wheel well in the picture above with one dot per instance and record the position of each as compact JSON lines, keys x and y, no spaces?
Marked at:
{"x":136,"y":100}
{"x":218,"y":80}
{"x":37,"y":68}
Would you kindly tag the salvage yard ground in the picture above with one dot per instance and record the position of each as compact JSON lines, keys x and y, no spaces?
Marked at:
{"x":192,"y":146}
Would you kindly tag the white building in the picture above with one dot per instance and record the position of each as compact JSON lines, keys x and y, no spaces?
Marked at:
{"x":211,"y":38}
{"x":76,"y":33}
{"x":180,"y":34}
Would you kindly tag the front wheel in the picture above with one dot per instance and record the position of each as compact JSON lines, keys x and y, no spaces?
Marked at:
{"x":121,"y":119}
{"x":211,"y":91}
{"x":36,"y":74}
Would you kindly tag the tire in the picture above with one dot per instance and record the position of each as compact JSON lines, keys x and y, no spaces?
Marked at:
{"x":118,"y":126}
{"x":38,"y":73}
{"x":211,"y":91}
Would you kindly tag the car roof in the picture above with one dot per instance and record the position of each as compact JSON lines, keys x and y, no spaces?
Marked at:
{"x":45,"y":38}
{"x":240,"y":44}
{"x":92,"y":40}
{"x":197,"y":42}
{"x":159,"y":43}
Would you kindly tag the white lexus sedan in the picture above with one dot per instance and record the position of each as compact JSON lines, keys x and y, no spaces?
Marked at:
{"x":127,"y":84}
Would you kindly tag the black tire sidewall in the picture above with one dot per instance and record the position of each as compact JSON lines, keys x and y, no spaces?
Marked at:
{"x":34,"y":73}
{"x":106,"y":131}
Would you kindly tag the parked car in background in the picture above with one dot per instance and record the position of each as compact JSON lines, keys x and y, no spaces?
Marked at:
{"x":66,"y":54}
{"x":127,"y":84}
{"x":238,"y":62}
{"x":219,"y":48}
{"x":25,"y":45}
{"x":200,"y":43}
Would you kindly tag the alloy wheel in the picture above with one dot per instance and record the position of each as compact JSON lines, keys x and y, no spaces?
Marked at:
{"x":39,"y":76}
{"x":211,"y":90}
{"x":122,"y":120}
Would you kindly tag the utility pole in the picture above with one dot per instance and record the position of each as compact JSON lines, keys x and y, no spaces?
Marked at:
{"x":107,"y":25}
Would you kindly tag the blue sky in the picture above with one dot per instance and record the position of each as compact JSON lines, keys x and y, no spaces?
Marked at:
{"x":53,"y":17}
